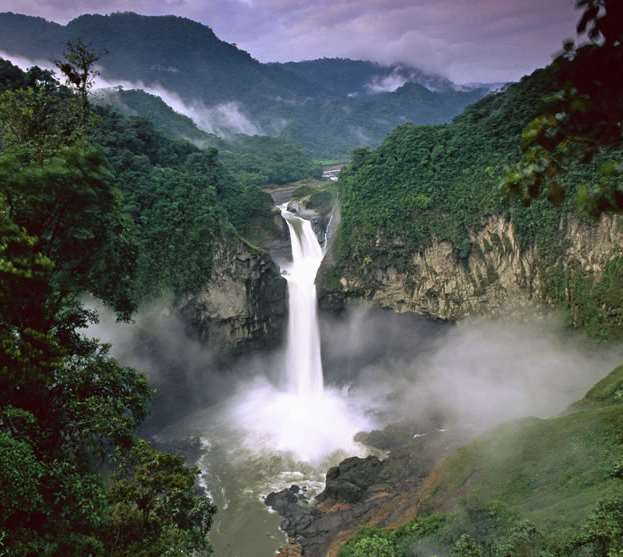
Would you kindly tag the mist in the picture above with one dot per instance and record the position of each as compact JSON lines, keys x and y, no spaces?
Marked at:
{"x":388,"y":83}
{"x":380,"y":368}
{"x":479,"y":373}
{"x":224,"y":119}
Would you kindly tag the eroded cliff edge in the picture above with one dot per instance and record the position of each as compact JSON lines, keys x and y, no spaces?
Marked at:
{"x":243,"y":304}
{"x":497,"y":277}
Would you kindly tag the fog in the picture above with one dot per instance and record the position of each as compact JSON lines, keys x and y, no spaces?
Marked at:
{"x":380,"y":368}
{"x":479,"y":372}
{"x":224,"y":119}
{"x":388,"y":83}
{"x":26,"y":63}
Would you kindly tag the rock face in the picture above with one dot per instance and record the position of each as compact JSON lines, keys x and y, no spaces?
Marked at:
{"x":244,"y":302}
{"x":497,"y":278}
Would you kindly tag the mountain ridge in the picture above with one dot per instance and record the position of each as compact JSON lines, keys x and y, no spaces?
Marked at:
{"x":292,"y":100}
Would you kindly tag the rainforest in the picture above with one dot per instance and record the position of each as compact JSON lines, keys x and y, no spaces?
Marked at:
{"x":311,"y":280}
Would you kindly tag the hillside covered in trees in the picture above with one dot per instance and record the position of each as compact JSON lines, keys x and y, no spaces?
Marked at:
{"x":441,"y":184}
{"x":76,"y":479}
{"x":329,"y":107}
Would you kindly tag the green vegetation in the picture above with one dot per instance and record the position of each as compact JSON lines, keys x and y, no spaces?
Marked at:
{"x":317,"y":195}
{"x":608,"y":391}
{"x":252,"y":160}
{"x":135,"y":102}
{"x":181,"y":200}
{"x":529,"y":488}
{"x":582,"y":118}
{"x":74,"y":478}
{"x":307,"y":104}
{"x":261,"y":160}
{"x":442,"y":182}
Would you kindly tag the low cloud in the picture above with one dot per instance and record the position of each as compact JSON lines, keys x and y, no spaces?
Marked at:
{"x":480,"y":372}
{"x":222,"y":119}
{"x":465,"y":40}
{"x":379,"y":368}
{"x":387,"y":84}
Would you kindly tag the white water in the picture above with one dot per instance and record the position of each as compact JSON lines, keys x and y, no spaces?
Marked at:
{"x":303,"y":358}
{"x":301,"y":417}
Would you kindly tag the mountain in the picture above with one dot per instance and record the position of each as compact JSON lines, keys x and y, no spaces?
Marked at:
{"x":330,"y":106}
{"x":179,"y":54}
{"x":344,"y":77}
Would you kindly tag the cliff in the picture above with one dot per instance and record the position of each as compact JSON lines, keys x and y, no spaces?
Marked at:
{"x":498,"y":277}
{"x":243,"y":302}
{"x":425,"y":226}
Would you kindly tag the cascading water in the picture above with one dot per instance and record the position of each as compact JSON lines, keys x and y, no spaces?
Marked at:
{"x":303,"y":358}
{"x":300,"y":417}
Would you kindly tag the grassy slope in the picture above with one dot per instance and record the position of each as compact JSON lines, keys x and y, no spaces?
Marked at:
{"x":552,"y":472}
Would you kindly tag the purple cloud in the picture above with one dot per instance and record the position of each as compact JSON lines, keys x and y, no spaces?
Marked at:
{"x":466,"y":40}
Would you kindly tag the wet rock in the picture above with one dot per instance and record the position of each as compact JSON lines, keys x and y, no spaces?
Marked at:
{"x":243,"y":304}
{"x":294,"y":507}
{"x":367,"y":491}
{"x":348,"y":481}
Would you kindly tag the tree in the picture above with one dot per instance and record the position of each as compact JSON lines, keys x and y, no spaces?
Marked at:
{"x":78,"y":67}
{"x":583,"y":120}
{"x":67,"y":409}
{"x":465,"y":546}
{"x":155,"y":506}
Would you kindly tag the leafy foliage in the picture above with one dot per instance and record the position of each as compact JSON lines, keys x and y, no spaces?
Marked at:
{"x":252,"y":160}
{"x":581,"y":119}
{"x":156,"y":509}
{"x":68,"y":411}
{"x":181,"y":200}
{"x":442,"y":182}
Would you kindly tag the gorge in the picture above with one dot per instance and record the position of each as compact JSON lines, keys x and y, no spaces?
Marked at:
{"x":314,"y":308}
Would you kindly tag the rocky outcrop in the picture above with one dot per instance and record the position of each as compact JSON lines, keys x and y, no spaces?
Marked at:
{"x":366,"y":491}
{"x":496,"y":278}
{"x":349,"y":480}
{"x":243,"y":303}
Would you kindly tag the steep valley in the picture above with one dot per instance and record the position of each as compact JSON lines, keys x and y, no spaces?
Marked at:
{"x":320,"y":308}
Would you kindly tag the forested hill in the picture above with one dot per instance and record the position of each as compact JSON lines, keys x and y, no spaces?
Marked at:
{"x":252,"y":160}
{"x":180,"y":200}
{"x":427,"y":207}
{"x":178,"y":53}
{"x":342,"y":76}
{"x":330,"y":107}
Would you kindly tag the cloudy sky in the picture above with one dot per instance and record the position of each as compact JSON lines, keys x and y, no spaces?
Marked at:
{"x":466,"y":40}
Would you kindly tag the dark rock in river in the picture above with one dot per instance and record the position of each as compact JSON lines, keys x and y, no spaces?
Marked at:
{"x":349,"y":480}
{"x":367,"y":491}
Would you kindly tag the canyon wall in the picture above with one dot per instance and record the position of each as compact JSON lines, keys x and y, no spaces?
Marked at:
{"x":498,"y":277}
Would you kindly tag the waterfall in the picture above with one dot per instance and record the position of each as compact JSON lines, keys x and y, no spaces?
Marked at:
{"x":307,"y":419}
{"x":303,"y":360}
